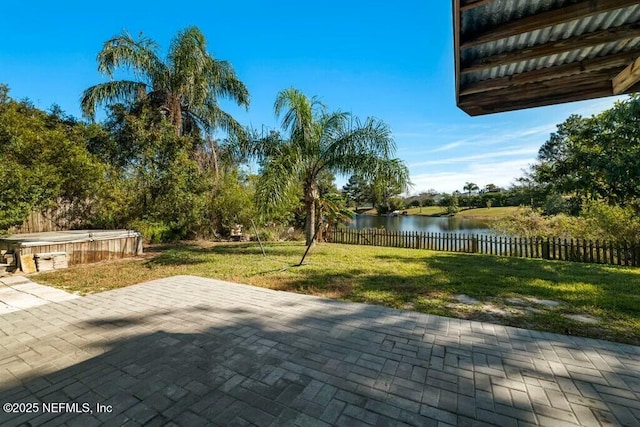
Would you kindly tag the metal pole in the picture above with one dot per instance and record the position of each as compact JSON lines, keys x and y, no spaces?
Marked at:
{"x":313,"y":239}
{"x":258,"y":237}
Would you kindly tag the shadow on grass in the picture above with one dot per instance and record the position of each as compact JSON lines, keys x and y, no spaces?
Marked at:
{"x":291,"y":249}
{"x":426,"y":281}
{"x":581,"y":284}
{"x":430,"y":281}
{"x":174,"y":258}
{"x":181,"y":251}
{"x":192,"y":254}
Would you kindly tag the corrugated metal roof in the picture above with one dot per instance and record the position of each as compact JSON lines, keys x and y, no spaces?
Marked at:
{"x":601,"y":21}
{"x":484,"y":23}
{"x":496,"y":13}
{"x":553,"y":60}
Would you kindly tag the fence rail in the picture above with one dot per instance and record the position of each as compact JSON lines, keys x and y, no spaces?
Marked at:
{"x":576,"y":250}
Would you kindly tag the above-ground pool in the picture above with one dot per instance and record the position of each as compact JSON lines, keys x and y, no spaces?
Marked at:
{"x":80,"y":246}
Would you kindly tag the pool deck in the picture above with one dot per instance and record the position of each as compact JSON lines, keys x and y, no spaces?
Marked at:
{"x":190,"y":351}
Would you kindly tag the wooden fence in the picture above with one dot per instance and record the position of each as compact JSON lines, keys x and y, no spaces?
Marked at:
{"x":576,"y":250}
{"x":56,"y":219}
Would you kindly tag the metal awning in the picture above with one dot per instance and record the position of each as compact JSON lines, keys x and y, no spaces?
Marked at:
{"x":517,"y":54}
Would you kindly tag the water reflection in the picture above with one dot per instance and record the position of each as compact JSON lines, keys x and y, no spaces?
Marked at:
{"x":424,"y":224}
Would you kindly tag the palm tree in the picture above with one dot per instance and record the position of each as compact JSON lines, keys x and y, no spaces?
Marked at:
{"x":320,"y":141}
{"x":469,"y":187}
{"x":185,"y":86}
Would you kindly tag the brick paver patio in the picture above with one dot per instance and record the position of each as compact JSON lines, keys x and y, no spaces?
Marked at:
{"x":190,"y":351}
{"x":18,"y":293}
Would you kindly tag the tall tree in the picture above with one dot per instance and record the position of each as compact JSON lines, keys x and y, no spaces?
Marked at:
{"x":386,"y":187}
{"x":357,"y":190}
{"x":595,"y":158}
{"x":185,"y":86}
{"x":320,"y":141}
{"x":469,"y":187}
{"x":492,"y":188}
{"x":44,"y":162}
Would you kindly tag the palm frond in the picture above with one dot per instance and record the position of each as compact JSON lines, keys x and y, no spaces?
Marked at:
{"x":225,"y":82}
{"x":189,"y":81}
{"x":187,"y":59}
{"x":356,"y":146}
{"x":210,"y":116}
{"x":111,"y":92}
{"x":199,"y":79}
{"x":332,"y":207}
{"x":139,"y":56}
{"x":278,"y":176}
{"x":299,"y":116}
{"x":393,"y":172}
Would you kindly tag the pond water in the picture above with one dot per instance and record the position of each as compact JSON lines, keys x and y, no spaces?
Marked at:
{"x":425,"y":224}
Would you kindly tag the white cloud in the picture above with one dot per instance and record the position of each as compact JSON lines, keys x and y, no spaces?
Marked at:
{"x":597,"y":106}
{"x":490,"y":137}
{"x":411,"y":134}
{"x":489,"y":155}
{"x":491,"y":151}
{"x":499,"y":173}
{"x":449,"y":146}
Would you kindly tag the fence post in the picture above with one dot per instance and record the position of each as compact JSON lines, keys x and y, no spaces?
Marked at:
{"x":627,"y":256}
{"x":545,"y":249}
{"x":576,"y":250}
{"x":610,"y":246}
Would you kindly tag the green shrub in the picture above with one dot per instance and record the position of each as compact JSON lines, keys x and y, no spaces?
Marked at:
{"x":154,"y":231}
{"x":529,"y":223}
{"x":603,"y":221}
{"x":280,"y":233}
{"x":392,"y":204}
{"x":229,"y":202}
{"x":597,"y":221}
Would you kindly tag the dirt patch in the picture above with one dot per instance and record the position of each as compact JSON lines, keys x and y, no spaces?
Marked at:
{"x":502,"y":311}
{"x":465,"y":299}
{"x":526,"y":304}
{"x":583,"y":318}
{"x":470,"y":308}
{"x":545,"y":302}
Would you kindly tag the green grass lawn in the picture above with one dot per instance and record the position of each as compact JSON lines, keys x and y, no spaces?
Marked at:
{"x":488,"y":213}
{"x":417,"y":280}
{"x":428,"y":211}
{"x":480,"y":213}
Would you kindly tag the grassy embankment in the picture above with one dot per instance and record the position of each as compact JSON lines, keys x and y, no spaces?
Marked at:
{"x":418,"y":280}
{"x":478,"y":213}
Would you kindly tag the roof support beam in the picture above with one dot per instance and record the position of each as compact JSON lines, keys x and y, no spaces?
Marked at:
{"x":456,"y":44}
{"x":561,"y":15}
{"x":575,"y":68}
{"x":528,"y":98}
{"x":545,"y":88}
{"x":627,"y":77}
{"x":624,"y":32}
{"x":470,"y":4}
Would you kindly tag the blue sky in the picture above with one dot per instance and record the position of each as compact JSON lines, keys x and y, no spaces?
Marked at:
{"x":372,"y":58}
